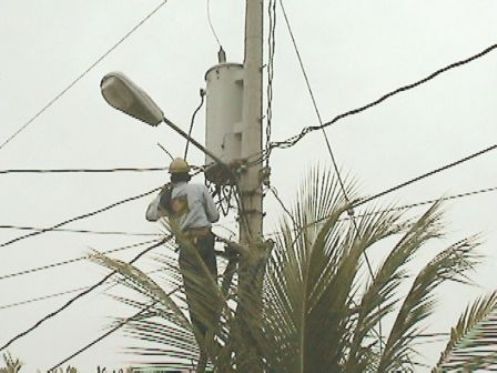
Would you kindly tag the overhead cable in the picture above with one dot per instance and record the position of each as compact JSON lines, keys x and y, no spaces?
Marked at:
{"x":60,"y":294}
{"x":81,"y":170}
{"x":79,"y":217}
{"x":70,"y":261}
{"x":270,"y":74}
{"x":79,"y":296}
{"x":397,"y":208}
{"x":211,"y":25}
{"x":83,"y":231}
{"x":83,"y":74}
{"x":37,"y":299}
{"x":192,"y":122}
{"x":328,"y":145}
{"x":296,"y":138}
{"x":426,"y":175}
{"x":105,"y":335}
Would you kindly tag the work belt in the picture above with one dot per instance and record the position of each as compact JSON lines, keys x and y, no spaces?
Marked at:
{"x":197,"y":232}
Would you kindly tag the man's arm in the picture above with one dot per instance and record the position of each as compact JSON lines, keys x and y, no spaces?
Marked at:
{"x":210,"y":207}
{"x":154,"y":212}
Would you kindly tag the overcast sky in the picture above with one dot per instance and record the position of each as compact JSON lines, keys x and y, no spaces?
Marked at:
{"x":354,"y":51}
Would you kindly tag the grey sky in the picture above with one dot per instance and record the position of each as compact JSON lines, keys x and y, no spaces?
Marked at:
{"x":354,"y":51}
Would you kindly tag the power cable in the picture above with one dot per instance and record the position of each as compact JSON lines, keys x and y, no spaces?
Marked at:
{"x":192,"y":122}
{"x":421,"y":177}
{"x":45,"y":297}
{"x":83,"y":74}
{"x":425,"y":175}
{"x":211,"y":26}
{"x":296,"y":138}
{"x":56,"y":295}
{"x":429,"y":202}
{"x":82,"y":231}
{"x":103,"y":336}
{"x":270,"y":74}
{"x":403,"y":207}
{"x":80,"y":217}
{"x":70,"y":261}
{"x":82,"y":170}
{"x":80,"y":295}
{"x":328,"y":144}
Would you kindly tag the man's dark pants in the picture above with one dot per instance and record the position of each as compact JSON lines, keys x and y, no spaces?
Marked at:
{"x":196,"y":280}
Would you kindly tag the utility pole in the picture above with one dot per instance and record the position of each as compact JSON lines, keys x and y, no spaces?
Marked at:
{"x":251,"y":179}
{"x":250,"y":186}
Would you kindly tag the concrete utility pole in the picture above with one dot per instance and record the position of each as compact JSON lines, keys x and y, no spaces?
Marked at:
{"x":251,"y":180}
{"x":250,"y":184}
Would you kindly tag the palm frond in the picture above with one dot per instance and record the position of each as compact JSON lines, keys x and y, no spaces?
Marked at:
{"x":379,"y":298}
{"x":473,"y":341}
{"x":311,"y":280}
{"x":450,"y":265}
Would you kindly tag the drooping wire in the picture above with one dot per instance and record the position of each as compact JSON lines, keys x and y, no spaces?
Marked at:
{"x":211,"y":25}
{"x":79,"y":217}
{"x":82,"y":231}
{"x":318,"y":115}
{"x":165,"y":151}
{"x":426,"y":175}
{"x":103,"y":336}
{"x":70,"y":261}
{"x":192,"y":122}
{"x":419,"y":178}
{"x":270,"y":74}
{"x":60,"y":294}
{"x":38,"y":299}
{"x":82,"y":170}
{"x":296,"y":138}
{"x":83,"y":74}
{"x":80,"y":295}
{"x":403,"y":207}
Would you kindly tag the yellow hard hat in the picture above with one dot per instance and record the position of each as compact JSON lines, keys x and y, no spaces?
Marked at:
{"x":179,"y":166}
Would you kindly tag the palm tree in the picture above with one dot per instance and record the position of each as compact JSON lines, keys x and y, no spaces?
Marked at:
{"x":11,"y":365}
{"x":313,"y":307}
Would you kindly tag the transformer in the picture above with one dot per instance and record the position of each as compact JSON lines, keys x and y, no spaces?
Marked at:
{"x":224,"y":110}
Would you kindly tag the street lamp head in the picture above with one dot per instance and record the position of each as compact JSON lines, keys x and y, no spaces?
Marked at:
{"x":124,"y":95}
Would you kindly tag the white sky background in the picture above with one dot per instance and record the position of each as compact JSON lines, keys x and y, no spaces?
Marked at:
{"x":353,"y":51}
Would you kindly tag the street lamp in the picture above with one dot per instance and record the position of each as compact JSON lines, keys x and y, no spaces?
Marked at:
{"x":124,"y":95}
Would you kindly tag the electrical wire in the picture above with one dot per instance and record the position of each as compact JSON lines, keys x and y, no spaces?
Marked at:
{"x":80,"y":295}
{"x":328,"y":145}
{"x":425,"y":175}
{"x":192,"y":122}
{"x":103,"y":336}
{"x":82,"y":75}
{"x":82,"y":231}
{"x":211,"y":26}
{"x":296,"y":138}
{"x":432,"y":201}
{"x":80,"y":217}
{"x":270,"y":74}
{"x":70,"y":261}
{"x":82,"y":170}
{"x":38,"y":299}
{"x":418,"y":178}
{"x":403,"y":207}
{"x":56,"y":295}
{"x":408,"y":206}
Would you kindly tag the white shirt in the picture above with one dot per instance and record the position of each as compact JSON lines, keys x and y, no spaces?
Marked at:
{"x":194,"y":202}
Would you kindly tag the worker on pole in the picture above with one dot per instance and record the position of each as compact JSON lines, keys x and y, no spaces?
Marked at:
{"x":191,"y":211}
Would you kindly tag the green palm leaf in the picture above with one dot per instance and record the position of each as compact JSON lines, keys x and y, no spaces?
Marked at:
{"x":450,"y":265}
{"x":473,"y":340}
